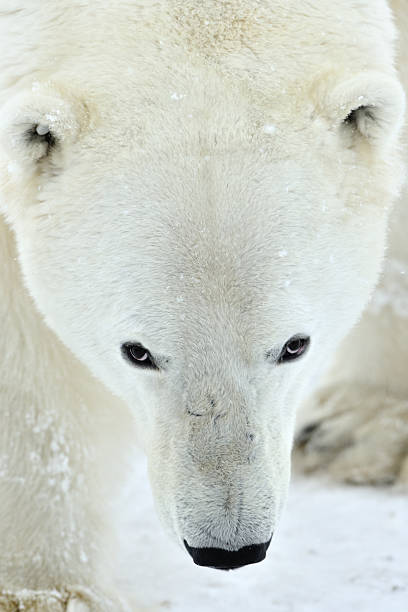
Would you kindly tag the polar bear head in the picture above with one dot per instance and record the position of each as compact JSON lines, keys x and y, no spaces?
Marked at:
{"x":201,"y":225}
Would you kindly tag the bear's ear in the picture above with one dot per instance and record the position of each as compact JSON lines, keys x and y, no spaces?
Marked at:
{"x":368,"y":106}
{"x":35,"y":127}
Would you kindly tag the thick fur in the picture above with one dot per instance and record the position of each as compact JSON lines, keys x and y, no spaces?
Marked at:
{"x":356,"y":423}
{"x":218,"y":178}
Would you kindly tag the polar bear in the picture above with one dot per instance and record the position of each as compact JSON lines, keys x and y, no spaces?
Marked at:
{"x":194,"y":204}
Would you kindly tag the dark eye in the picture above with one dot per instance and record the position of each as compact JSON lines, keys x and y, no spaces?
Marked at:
{"x":138,"y":355}
{"x":294,"y":348}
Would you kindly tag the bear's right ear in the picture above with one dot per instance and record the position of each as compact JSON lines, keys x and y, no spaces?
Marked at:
{"x":35,"y":127}
{"x":367,"y":107}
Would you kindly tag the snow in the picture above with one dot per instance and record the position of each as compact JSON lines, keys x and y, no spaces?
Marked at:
{"x":269,"y":129}
{"x":177,"y":96}
{"x":42,"y":129}
{"x":337,"y":548}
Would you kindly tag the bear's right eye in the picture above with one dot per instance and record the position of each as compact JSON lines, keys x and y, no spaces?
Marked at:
{"x":138,"y":355}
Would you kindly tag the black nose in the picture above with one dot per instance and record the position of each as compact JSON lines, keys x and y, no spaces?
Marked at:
{"x":222,"y":559}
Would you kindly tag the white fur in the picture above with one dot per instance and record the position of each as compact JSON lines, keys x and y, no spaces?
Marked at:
{"x":360,"y":412}
{"x":167,"y":214}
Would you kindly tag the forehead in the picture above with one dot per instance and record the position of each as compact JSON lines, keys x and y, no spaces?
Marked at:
{"x":246,"y":38}
{"x":229,"y":236}
{"x":210,"y":72}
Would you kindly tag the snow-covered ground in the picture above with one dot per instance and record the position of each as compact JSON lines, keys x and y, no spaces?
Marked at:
{"x":337,"y":549}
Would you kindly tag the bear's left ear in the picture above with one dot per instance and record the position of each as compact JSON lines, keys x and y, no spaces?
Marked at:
{"x":369,"y":106}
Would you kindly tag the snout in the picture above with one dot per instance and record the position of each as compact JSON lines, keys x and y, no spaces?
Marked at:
{"x":222,"y":559}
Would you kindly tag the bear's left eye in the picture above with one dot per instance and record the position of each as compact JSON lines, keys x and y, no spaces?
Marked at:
{"x":294,"y":348}
{"x":138,"y":355}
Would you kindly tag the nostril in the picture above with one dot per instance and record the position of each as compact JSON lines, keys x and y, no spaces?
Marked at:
{"x":222,"y":559}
